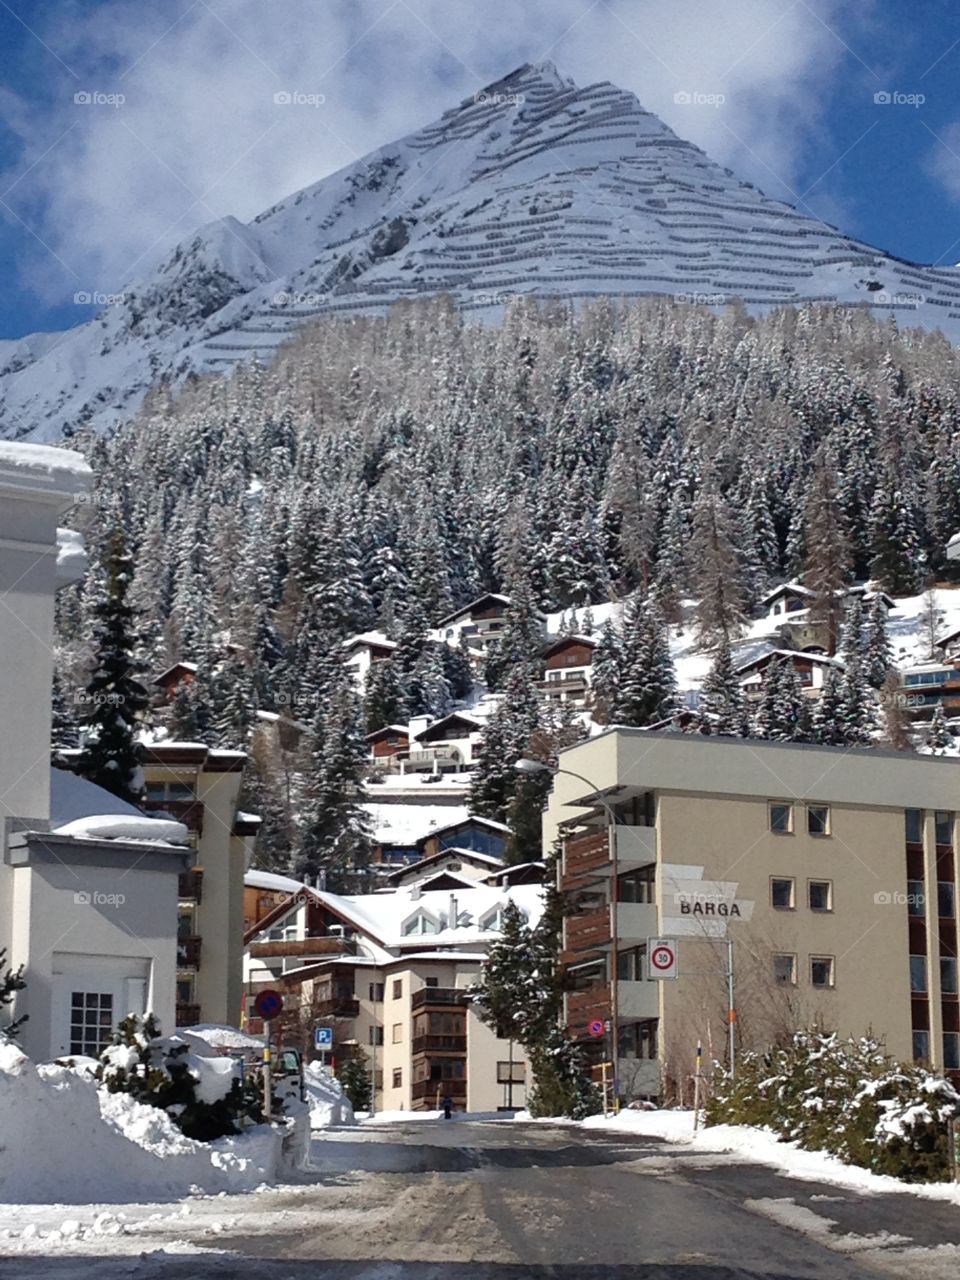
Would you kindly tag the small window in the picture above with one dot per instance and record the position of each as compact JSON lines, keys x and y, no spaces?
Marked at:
{"x":781,"y":819}
{"x":946,"y":900}
{"x":914,"y":826}
{"x":818,"y":820}
{"x":511,"y":1072}
{"x":918,"y":973}
{"x":951,"y":1051}
{"x":376,"y":992}
{"x":916,"y":898}
{"x":820,"y":895}
{"x":782,"y":894}
{"x":398,"y":1077}
{"x":948,"y":975}
{"x":397,"y":988}
{"x":91,"y":1022}
{"x":821,"y":971}
{"x":943,"y":827}
{"x":630,"y":964}
{"x":785,"y":970}
{"x":397,"y":1032}
{"x":431,"y":982}
{"x":375,"y":1035}
{"x":921,"y":1046}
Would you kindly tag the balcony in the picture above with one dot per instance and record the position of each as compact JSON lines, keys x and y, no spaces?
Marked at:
{"x":636,"y":922}
{"x":337,"y":1006}
{"x":584,"y":856}
{"x":189,"y":812}
{"x":324,"y":945}
{"x":432,"y":1091}
{"x":565,"y":684}
{"x":441,"y":996}
{"x":188,"y":1015}
{"x":584,"y":1007}
{"x":440,"y":1044}
{"x":188,"y":951}
{"x":190,"y":885}
{"x":589,"y":932}
{"x":636,"y":1000}
{"x":636,"y":847}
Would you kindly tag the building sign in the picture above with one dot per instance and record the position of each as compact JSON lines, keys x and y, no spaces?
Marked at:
{"x":695,"y":906}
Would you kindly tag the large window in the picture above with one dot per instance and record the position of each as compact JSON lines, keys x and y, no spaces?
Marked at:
{"x":914,"y":826}
{"x":785,"y":970}
{"x":818,"y":819}
{"x":783,"y":894}
{"x":948,"y":975}
{"x":943,"y":826}
{"x":951,"y":1051}
{"x":638,"y":886}
{"x":946,"y":899}
{"x":638,"y":1039}
{"x":515,"y":1072}
{"x":821,"y":971}
{"x":630,"y":964}
{"x":820,"y":895}
{"x":916,"y":898}
{"x":781,"y":818}
{"x":921,"y":1046}
{"x":375,"y":992}
{"x":918,"y":973}
{"x":91,"y":1022}
{"x":375,"y":1035}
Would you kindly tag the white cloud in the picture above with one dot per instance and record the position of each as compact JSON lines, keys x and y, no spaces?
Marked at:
{"x":198,"y":134}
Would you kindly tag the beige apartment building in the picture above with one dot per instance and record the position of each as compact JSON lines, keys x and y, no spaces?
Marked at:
{"x":829,"y":875}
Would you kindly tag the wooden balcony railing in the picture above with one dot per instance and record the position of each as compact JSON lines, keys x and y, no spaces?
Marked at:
{"x":588,"y":932}
{"x":189,"y":812}
{"x":440,"y":1044}
{"x":188,"y":951}
{"x":188,"y":1015}
{"x":440,"y":996}
{"x":583,"y":855}
{"x":337,"y":1007}
{"x":584,"y":1007}
{"x":431,"y":1090}
{"x":190,"y":885}
{"x":319,"y":946}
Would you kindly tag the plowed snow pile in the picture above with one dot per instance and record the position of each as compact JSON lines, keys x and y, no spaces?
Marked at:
{"x":63,"y":1140}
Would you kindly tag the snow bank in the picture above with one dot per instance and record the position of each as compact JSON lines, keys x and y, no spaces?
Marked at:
{"x":63,"y":1140}
{"x":328,"y":1103}
{"x":111,"y":826}
{"x":44,"y":458}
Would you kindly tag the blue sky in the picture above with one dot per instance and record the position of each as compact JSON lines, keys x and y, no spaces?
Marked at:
{"x":183,"y":129}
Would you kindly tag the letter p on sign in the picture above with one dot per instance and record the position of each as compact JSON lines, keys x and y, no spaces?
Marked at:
{"x":662,"y":957}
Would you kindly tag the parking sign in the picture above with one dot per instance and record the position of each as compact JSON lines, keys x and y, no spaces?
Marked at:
{"x":323,"y":1037}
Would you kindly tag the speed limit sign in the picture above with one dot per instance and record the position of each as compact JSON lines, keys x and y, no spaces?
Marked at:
{"x":662,"y":955}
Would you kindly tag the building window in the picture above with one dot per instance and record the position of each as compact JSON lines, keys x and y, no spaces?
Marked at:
{"x":781,"y":818}
{"x":91,"y":1022}
{"x":918,"y":973}
{"x":785,"y":970}
{"x":943,"y":825}
{"x":921,"y":1046}
{"x":820,"y":895}
{"x":375,"y":1035}
{"x":185,"y":991}
{"x":946,"y":900}
{"x":511,"y":1072}
{"x":821,"y":971}
{"x":397,"y":988}
{"x":914,"y":826}
{"x":638,"y":1039}
{"x":948,"y":975}
{"x":818,"y":820}
{"x":398,"y":1078}
{"x":630,"y":964}
{"x":782,"y":894}
{"x":397,"y":1032}
{"x":638,"y":886}
{"x":951,"y":1051}
{"x":419,"y":923}
{"x":431,"y":982}
{"x":376,"y":992}
{"x":916,"y":898}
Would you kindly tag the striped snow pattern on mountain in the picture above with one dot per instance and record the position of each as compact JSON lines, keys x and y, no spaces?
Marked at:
{"x":534,"y":186}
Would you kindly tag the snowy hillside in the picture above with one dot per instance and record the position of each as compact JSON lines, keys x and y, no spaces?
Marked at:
{"x":534,"y":186}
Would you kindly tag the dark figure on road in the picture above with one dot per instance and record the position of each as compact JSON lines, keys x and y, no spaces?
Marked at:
{"x":448,"y":1108}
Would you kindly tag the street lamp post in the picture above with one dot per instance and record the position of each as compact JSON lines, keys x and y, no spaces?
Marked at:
{"x":532,"y":767}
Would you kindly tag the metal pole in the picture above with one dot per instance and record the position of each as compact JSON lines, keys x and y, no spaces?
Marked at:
{"x":731,"y":1012}
{"x":510,"y":1077}
{"x":267,"y":1075}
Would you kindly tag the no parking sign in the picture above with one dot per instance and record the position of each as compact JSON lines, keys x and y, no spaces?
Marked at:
{"x":662,"y":956}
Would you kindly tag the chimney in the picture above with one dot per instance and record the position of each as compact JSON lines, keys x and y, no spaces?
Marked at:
{"x":454,"y":912}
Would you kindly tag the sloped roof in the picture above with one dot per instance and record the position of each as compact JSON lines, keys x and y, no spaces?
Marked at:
{"x":474,"y":604}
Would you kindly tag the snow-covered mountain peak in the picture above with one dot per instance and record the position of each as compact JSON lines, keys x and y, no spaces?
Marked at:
{"x":531,"y":186}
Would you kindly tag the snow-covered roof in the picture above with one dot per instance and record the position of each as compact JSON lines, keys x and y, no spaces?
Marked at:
{"x":786,"y":588}
{"x":560,"y":641}
{"x":467,"y":716}
{"x":375,"y":639}
{"x":468,"y":608}
{"x":472,"y":818}
{"x":272,"y":881}
{"x":177,"y":666}
{"x":818,"y":659}
{"x":389,"y":728}
{"x":46,"y":465}
{"x":81,"y":808}
{"x":406,"y":824}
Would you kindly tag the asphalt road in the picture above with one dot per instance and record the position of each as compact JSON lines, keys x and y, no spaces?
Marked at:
{"x":508,"y":1201}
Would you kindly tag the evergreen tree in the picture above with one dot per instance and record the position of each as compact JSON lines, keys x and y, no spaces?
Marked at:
{"x":506,"y":738}
{"x":717,"y":572}
{"x":647,"y":685}
{"x":383,"y":701}
{"x":722,"y":708}
{"x":116,"y":700}
{"x":826,"y":568}
{"x":64,"y":727}
{"x":783,"y":714}
{"x":877,"y":652}
{"x":607,"y":664}
{"x":938,"y":736}
{"x":827,"y":729}
{"x":895,"y":555}
{"x":857,"y":704}
{"x":354,"y":1077}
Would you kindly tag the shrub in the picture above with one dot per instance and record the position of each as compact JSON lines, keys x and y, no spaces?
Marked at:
{"x":847,"y":1097}
{"x":162,"y":1072}
{"x":562,"y":1087}
{"x":356,"y":1083}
